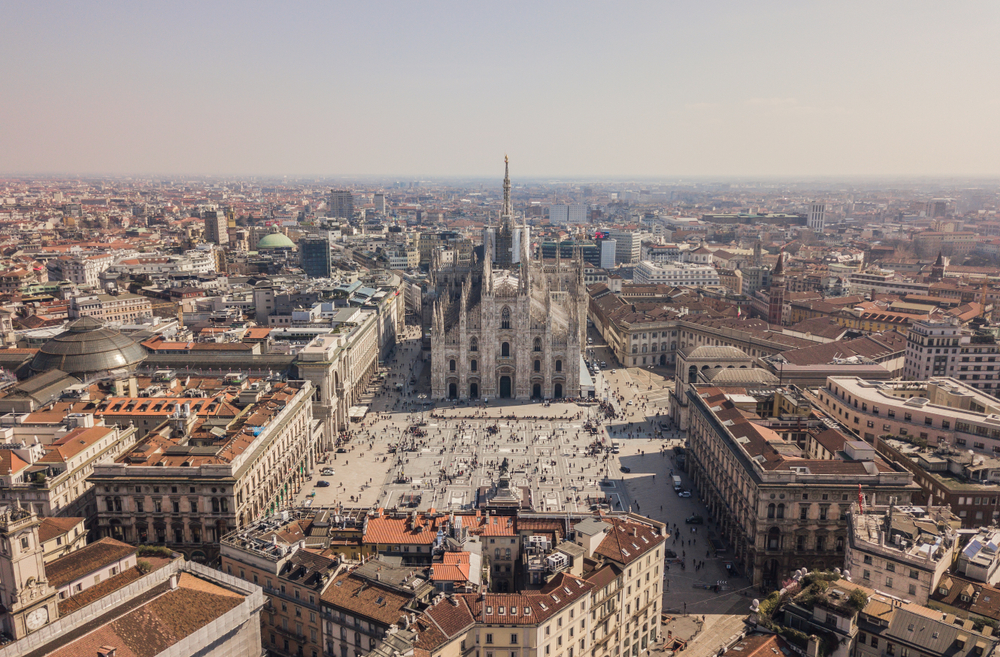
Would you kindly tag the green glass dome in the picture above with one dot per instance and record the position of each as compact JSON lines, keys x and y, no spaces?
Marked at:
{"x":275,"y":241}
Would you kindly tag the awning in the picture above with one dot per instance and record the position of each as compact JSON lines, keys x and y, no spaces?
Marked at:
{"x":357,"y":412}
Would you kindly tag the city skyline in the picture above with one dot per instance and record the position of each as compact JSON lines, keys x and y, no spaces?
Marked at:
{"x":763,"y":90}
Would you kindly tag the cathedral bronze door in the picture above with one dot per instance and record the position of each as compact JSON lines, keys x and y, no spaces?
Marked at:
{"x":536,"y":391}
{"x":473,"y":391}
{"x":452,"y":391}
{"x":504,"y":387}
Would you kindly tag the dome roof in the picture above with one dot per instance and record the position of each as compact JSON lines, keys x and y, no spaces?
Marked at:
{"x":88,"y":349}
{"x":275,"y":241}
{"x":707,"y":352}
{"x":732,"y":375}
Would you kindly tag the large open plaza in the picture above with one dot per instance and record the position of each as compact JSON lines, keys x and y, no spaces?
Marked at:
{"x":410,"y":454}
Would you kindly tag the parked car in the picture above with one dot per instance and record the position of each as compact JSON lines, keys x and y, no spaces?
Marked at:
{"x":695,"y":520}
{"x":327,"y":472}
{"x":322,"y":483}
{"x":683,"y":493}
{"x":625,"y":468}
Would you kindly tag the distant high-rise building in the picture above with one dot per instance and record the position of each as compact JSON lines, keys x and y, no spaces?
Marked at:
{"x":608,"y":250}
{"x":315,"y":256}
{"x":577,"y":214}
{"x":628,"y":244}
{"x":216,"y":228}
{"x":817,"y":217}
{"x":937,"y":208}
{"x":567,"y":214}
{"x":341,"y":204}
{"x":379,"y":201}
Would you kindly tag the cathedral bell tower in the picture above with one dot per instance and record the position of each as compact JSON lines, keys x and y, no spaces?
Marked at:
{"x":29,"y":601}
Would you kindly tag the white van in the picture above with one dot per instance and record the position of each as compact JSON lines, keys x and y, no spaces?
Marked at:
{"x":616,"y":447}
{"x":677,"y":483}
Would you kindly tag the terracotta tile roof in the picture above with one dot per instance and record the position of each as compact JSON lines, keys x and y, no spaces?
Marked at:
{"x":56,"y":526}
{"x":627,"y":540}
{"x":762,"y":645}
{"x":604,"y":576}
{"x":73,"y":443}
{"x":158,"y":623}
{"x":94,"y":593}
{"x":528,"y":608}
{"x":497,"y":526}
{"x":402,"y":531}
{"x":454,"y":567}
{"x":11,"y":462}
{"x":443,"y":621}
{"x":364,"y":598}
{"x":86,"y":560}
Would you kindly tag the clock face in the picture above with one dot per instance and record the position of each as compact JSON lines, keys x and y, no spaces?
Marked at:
{"x":37,"y":618}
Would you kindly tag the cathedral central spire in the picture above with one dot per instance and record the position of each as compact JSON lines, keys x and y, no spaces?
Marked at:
{"x":506,"y":212}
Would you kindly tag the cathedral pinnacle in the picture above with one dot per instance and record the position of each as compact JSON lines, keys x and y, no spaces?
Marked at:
{"x":506,"y":212}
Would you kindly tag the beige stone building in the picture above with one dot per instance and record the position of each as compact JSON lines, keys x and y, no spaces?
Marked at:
{"x":782,"y":490}
{"x":195,"y":479}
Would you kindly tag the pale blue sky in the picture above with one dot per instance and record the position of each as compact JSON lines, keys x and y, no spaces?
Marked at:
{"x":446,"y":88}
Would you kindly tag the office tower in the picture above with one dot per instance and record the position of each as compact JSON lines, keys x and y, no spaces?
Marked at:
{"x":341,"y":204}
{"x":216,"y":228}
{"x":379,"y":201}
{"x":608,"y":249}
{"x":315,"y":256}
{"x":817,"y":217}
{"x":567,"y":214}
{"x":628,"y":243}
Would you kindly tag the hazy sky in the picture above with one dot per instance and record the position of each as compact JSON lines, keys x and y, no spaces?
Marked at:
{"x":446,"y":88}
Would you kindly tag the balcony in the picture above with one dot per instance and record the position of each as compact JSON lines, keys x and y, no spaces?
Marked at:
{"x":291,"y":634}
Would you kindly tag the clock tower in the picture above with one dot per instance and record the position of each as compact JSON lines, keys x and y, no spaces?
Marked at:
{"x":29,"y":601}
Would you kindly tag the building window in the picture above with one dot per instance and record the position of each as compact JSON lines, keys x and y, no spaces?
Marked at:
{"x":558,"y":366}
{"x":474,"y":345}
{"x":451,"y":365}
{"x":505,"y":350}
{"x":505,"y":318}
{"x":538,"y":366}
{"x":538,"y":344}
{"x":474,"y":365}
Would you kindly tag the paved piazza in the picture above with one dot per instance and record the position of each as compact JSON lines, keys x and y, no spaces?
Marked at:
{"x":546,"y":448}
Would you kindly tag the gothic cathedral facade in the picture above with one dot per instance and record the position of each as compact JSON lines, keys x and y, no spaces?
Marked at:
{"x":514,"y":331}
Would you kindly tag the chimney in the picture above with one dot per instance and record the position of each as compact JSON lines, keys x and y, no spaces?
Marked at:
{"x":812,"y":648}
{"x":173,"y":585}
{"x":106,"y":651}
